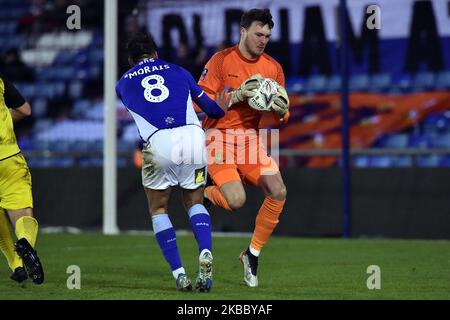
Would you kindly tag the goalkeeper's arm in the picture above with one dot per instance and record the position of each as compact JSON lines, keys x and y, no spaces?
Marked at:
{"x":281,"y":105}
{"x":245,"y":89}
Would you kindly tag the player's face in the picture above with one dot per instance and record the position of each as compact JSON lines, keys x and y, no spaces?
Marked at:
{"x":255,"y":38}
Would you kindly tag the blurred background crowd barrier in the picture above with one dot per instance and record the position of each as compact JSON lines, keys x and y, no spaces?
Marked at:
{"x":399,"y":82}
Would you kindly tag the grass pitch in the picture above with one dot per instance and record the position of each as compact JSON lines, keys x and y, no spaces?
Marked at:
{"x":132,"y":267}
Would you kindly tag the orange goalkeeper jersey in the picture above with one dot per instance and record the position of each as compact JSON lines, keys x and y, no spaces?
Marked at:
{"x":227,"y":69}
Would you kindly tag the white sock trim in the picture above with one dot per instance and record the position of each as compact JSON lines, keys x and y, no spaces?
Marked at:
{"x":197,"y":209}
{"x":161,"y":222}
{"x":254,"y":251}
{"x":178,"y":272}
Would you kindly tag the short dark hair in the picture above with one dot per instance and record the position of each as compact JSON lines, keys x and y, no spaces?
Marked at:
{"x":262,"y":15}
{"x":140,"y":44}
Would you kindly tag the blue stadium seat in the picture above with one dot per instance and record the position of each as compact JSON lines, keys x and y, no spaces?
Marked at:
{"x":334,"y":83}
{"x":46,"y":74}
{"x":90,"y":162}
{"x":50,"y":162}
{"x":316,"y":84}
{"x":25,"y":144}
{"x":97,"y":145}
{"x":381,"y":161}
{"x":402,"y":161}
{"x":42,"y":125}
{"x":361,"y":161}
{"x":420,"y":141}
{"x":441,"y":140}
{"x":443,"y":80}
{"x":444,"y":161}
{"x":80,"y":107}
{"x":437,"y":123}
{"x":380,"y":82}
{"x":95,"y":56}
{"x":423,"y":81}
{"x":359,"y":82}
{"x":428,"y":161}
{"x":295,"y":84}
{"x":403,"y":83}
{"x":81,"y":145}
{"x":39,"y":108}
{"x":397,"y":140}
{"x":65,"y":57}
{"x":75,"y":89}
{"x":61,"y":145}
{"x":42,"y":145}
{"x":125,"y":145}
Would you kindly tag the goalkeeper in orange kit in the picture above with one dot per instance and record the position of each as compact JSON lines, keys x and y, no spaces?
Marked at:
{"x":241,"y":68}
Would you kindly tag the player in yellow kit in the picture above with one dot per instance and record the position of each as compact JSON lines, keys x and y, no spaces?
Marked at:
{"x":16,"y":199}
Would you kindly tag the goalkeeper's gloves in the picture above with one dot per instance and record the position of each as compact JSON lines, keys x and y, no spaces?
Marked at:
{"x":245,"y":89}
{"x":281,"y":102}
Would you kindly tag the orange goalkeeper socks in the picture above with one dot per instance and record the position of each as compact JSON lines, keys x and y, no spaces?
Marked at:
{"x":216,"y":197}
{"x":266,"y":221}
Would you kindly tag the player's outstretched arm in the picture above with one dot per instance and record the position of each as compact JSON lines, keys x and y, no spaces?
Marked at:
{"x":214,"y":109}
{"x":223,"y":100}
{"x":245,"y":89}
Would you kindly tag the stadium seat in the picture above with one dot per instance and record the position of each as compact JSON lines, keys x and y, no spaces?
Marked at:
{"x":75,"y":89}
{"x":130,"y":133}
{"x":91,"y":162}
{"x":437,"y":123}
{"x":443,"y":80}
{"x":42,"y":145}
{"x":420,"y":141}
{"x":359,"y":82}
{"x":380,"y":82}
{"x":334,"y":83}
{"x":361,"y":161}
{"x":428,"y":161}
{"x":316,"y":84}
{"x":398,"y":140}
{"x":60,"y":145}
{"x":50,"y":162}
{"x":82,"y":146}
{"x":80,"y":108}
{"x":381,"y":161}
{"x":97,"y":145}
{"x":444,"y":161}
{"x":441,"y":140}
{"x":25,"y":143}
{"x":39,"y":108}
{"x":295,"y":84}
{"x":402,"y":161}
{"x":42,"y":125}
{"x":423,"y":81}
{"x":125,"y":146}
{"x":403,"y":83}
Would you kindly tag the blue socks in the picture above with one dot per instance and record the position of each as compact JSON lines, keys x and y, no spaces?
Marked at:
{"x":165,"y":235}
{"x":201,"y":226}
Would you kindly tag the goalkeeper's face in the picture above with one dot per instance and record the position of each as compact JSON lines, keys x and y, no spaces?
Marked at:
{"x":255,"y":38}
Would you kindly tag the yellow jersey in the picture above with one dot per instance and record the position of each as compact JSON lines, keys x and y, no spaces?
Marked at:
{"x":9,"y":98}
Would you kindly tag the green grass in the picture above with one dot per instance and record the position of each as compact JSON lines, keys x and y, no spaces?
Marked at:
{"x":132,"y":267}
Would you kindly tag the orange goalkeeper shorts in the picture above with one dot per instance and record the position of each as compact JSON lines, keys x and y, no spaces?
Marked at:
{"x":233,"y":158}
